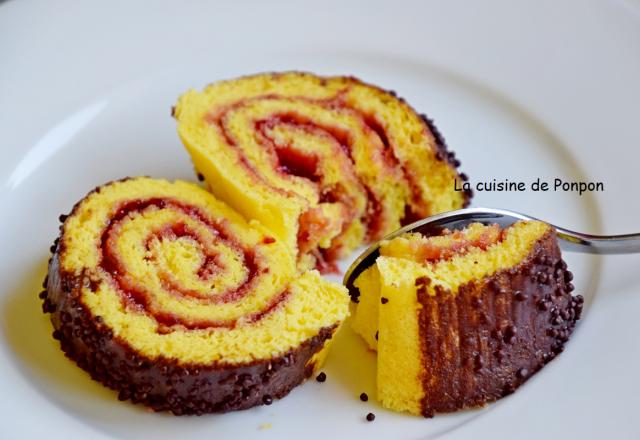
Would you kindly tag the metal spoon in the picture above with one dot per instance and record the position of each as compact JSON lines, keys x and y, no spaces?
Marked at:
{"x":569,"y":240}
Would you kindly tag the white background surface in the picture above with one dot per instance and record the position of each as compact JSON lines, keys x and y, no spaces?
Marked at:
{"x":520,"y":90}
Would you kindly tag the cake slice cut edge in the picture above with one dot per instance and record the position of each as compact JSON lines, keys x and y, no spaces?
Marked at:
{"x":460,"y":329}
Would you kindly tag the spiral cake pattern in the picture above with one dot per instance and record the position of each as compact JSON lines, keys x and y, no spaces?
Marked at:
{"x":327,"y":163}
{"x":167,"y":295}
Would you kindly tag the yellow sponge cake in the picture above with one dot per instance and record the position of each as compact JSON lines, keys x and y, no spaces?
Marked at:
{"x":326,"y":163}
{"x":170,"y":297}
{"x":464,"y":318}
{"x":197,"y":301}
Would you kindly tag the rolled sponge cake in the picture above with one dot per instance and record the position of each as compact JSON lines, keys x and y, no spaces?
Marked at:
{"x":464,"y":318}
{"x":326,"y":163}
{"x":194,"y":301}
{"x":170,"y":297}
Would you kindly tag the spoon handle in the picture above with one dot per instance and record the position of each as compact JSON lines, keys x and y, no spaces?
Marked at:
{"x":598,"y":244}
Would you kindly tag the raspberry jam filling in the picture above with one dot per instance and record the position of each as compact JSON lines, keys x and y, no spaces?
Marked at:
{"x":305,"y":164}
{"x":298,"y":163}
{"x":136,"y":294}
{"x":444,"y":247}
{"x":313,"y":226}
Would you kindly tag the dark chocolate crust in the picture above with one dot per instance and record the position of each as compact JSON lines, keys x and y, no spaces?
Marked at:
{"x":442,"y":149}
{"x":443,"y":153}
{"x":165,"y":384}
{"x":484,"y":342}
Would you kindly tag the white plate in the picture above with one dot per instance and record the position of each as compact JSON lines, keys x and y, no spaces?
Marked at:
{"x":521,"y":90}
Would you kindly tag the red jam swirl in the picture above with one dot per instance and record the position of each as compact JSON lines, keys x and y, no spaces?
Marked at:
{"x":429,"y":252}
{"x":291,"y":161}
{"x":135,"y":294}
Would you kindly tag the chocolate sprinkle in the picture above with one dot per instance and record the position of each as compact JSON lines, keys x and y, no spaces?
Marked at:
{"x":520,"y":296}
{"x":384,"y":300}
{"x":321,"y":377}
{"x":364,"y":397}
{"x":164,"y":384}
{"x":371,"y":417}
{"x":521,"y":323}
{"x":442,"y":153}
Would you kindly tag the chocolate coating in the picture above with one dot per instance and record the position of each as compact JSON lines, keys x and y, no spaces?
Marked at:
{"x":443,"y":153}
{"x":162,"y":383}
{"x":494,"y":334}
